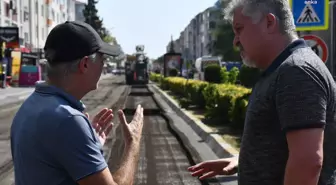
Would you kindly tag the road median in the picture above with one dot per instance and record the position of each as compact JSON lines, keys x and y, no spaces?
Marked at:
{"x":221,"y":148}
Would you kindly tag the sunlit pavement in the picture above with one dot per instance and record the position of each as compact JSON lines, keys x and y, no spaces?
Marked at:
{"x":11,"y":95}
{"x":109,"y":86}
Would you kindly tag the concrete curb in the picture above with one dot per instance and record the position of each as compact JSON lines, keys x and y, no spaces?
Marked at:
{"x":215,"y":141}
{"x":195,"y":150}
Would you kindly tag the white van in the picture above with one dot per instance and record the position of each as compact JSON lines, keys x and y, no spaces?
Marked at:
{"x":202,"y":62}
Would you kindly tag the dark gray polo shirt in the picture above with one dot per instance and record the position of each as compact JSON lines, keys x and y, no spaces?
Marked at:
{"x":296,"y":92}
{"x":52,"y":141}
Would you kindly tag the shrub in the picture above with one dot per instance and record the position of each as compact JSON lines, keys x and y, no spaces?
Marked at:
{"x":212,"y":74}
{"x":184,"y":102}
{"x":248,"y":76}
{"x":173,"y":72}
{"x":157,"y":71}
{"x":238,"y":112}
{"x":224,"y":75}
{"x":155,"y":77}
{"x":233,"y":75}
{"x":222,"y":102}
{"x":196,"y":93}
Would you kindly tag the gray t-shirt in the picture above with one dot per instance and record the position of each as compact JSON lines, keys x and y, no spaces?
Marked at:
{"x":296,"y":92}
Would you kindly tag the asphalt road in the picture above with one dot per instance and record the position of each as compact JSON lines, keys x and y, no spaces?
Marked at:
{"x":109,"y":91}
{"x":13,"y":94}
{"x":16,"y":95}
{"x":162,"y":158}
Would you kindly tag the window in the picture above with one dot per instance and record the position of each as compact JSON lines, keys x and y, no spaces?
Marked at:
{"x":42,"y":31}
{"x":53,"y":15}
{"x":212,"y":25}
{"x":28,"y":61}
{"x":37,"y":32}
{"x":42,"y":10}
{"x":36,"y":7}
{"x":26,"y":37}
{"x":6,"y":5}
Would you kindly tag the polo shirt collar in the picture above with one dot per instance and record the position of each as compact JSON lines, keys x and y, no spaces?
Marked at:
{"x":44,"y":88}
{"x":299,"y":43}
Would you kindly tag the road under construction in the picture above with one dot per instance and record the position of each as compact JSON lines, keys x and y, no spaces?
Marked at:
{"x":165,"y":155}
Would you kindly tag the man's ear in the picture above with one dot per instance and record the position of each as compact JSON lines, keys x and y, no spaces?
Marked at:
{"x":83,"y":65}
{"x":271,"y":23}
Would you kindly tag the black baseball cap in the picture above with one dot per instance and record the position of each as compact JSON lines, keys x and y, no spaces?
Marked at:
{"x":73,"y":40}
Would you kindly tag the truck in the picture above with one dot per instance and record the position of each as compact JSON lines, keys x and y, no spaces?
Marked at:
{"x":136,"y":67}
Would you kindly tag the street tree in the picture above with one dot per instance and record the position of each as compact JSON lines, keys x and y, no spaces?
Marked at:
{"x":223,"y":42}
{"x":90,"y":13}
{"x":160,"y":59}
{"x":223,"y":37}
{"x":107,"y":36}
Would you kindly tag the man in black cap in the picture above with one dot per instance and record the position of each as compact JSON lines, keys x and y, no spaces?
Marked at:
{"x":52,"y":140}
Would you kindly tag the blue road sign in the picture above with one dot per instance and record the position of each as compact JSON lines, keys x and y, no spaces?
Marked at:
{"x":310,"y":15}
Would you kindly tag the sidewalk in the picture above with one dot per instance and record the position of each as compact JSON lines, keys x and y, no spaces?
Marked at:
{"x":15,"y":94}
{"x":107,"y":75}
{"x":12,"y":91}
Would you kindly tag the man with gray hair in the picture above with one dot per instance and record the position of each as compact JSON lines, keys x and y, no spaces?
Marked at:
{"x":52,"y":139}
{"x":290,"y":124}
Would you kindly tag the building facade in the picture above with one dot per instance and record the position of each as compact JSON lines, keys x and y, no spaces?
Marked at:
{"x":79,"y":7}
{"x":11,"y":14}
{"x":36,"y":18}
{"x":196,"y":40}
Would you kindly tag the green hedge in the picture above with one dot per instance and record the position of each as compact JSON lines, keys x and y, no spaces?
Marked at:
{"x":212,"y":74}
{"x":224,"y":102}
{"x":248,"y":76}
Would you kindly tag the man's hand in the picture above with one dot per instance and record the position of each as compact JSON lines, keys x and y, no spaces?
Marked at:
{"x":102,"y":123}
{"x":208,"y":169}
{"x":133,"y":130}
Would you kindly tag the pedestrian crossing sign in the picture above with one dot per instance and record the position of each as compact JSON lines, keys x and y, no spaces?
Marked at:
{"x":310,"y":15}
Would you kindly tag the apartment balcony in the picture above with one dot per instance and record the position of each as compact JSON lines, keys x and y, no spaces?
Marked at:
{"x":49,"y":22}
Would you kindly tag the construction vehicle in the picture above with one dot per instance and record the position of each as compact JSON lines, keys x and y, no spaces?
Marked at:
{"x":136,"y":67}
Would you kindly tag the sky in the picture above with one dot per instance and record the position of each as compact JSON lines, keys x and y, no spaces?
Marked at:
{"x":148,"y":22}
